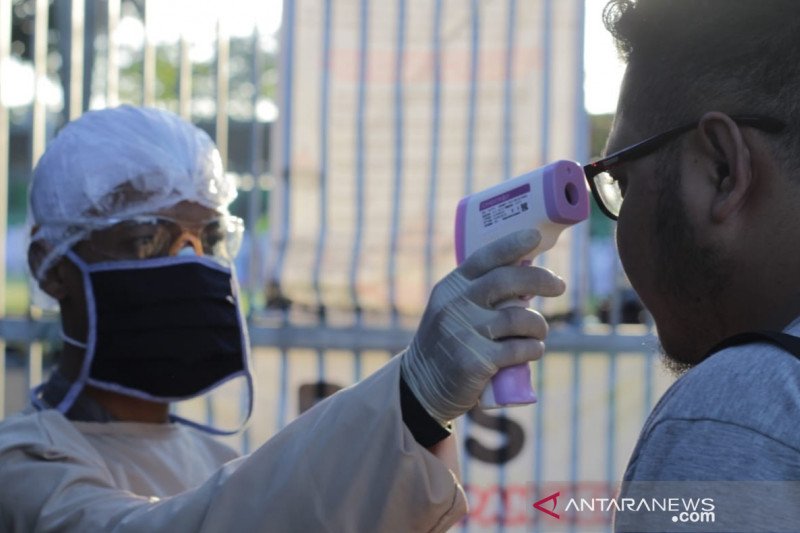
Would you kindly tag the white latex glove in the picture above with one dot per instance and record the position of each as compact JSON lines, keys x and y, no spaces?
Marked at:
{"x":462,"y":341}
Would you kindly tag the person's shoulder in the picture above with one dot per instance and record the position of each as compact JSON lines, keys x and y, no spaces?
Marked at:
{"x":46,"y":433}
{"x":29,"y":426}
{"x":754,"y":386}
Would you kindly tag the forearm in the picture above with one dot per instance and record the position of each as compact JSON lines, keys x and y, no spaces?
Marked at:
{"x":348,"y":464}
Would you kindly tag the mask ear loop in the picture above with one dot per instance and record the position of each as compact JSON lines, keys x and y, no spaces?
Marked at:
{"x":69,"y":340}
{"x":223,"y":432}
{"x":35,"y":394}
{"x":91,"y":313}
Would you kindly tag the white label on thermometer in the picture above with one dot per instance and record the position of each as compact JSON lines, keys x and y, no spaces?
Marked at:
{"x":505,"y":206}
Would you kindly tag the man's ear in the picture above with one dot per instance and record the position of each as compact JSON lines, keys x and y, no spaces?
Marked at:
{"x":729,"y":162}
{"x":52,"y":283}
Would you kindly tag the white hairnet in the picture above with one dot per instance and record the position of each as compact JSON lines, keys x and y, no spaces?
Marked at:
{"x":117,"y":163}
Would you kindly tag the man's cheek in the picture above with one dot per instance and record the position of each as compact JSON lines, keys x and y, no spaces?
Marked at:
{"x":637,"y":255}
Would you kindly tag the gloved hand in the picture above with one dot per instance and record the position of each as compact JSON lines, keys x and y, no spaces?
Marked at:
{"x":462,"y":340}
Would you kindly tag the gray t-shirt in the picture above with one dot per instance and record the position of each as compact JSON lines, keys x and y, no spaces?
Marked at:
{"x":732,"y":424}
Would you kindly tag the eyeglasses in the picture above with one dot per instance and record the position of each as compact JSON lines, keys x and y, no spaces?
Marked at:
{"x":606,"y":189}
{"x":149,"y":236}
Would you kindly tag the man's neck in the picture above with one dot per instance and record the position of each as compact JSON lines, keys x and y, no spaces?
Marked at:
{"x":129,"y":409}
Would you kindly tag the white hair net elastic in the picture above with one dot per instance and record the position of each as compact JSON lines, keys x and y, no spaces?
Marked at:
{"x":117,"y":163}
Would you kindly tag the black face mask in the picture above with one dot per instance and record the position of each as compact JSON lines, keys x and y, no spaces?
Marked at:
{"x":163,"y":329}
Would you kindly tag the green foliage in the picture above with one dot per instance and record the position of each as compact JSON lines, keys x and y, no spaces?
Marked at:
{"x":203,"y":76}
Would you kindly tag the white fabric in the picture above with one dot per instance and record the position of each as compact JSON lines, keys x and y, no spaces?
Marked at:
{"x":118,"y":163}
{"x":348,"y":464}
{"x":464,"y":337}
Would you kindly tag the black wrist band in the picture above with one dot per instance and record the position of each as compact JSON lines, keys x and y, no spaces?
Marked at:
{"x":425,"y":429}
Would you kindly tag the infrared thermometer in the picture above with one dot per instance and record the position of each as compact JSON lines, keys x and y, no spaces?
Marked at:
{"x":549,"y":199}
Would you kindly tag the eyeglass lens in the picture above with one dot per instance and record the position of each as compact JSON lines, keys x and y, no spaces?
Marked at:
{"x":150,"y":237}
{"x":610,"y":192}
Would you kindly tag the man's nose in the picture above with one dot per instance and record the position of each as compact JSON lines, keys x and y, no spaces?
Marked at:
{"x":186,"y":243}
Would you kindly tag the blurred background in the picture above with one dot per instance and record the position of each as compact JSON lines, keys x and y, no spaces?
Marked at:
{"x":353,"y":128}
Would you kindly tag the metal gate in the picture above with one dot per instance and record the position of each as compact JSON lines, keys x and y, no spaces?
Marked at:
{"x":353,"y":135}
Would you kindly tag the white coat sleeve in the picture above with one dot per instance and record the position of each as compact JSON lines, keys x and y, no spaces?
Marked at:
{"x":348,"y":464}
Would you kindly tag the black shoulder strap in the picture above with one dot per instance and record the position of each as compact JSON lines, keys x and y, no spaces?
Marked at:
{"x":790,"y":343}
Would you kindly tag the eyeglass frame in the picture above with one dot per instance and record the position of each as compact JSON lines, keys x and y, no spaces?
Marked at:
{"x":651,"y":144}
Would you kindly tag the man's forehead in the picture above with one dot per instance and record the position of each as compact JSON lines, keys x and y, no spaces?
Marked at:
{"x":623,"y":130}
{"x":623,"y":134}
{"x":188,"y":211}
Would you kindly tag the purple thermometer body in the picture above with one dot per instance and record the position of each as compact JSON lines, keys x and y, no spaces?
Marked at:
{"x":550,"y":199}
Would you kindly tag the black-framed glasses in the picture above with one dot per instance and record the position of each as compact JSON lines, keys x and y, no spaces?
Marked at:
{"x":606,"y":189}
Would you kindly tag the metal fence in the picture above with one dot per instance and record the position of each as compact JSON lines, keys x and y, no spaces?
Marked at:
{"x":387,"y":113}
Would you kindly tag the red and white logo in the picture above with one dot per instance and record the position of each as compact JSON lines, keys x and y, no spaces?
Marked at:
{"x":539,"y":505}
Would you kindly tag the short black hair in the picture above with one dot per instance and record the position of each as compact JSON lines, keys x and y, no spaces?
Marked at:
{"x":687,"y":57}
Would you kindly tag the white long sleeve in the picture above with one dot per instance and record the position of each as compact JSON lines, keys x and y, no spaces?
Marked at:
{"x":348,"y":464}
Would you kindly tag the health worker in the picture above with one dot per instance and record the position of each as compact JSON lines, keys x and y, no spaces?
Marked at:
{"x":132,"y":235}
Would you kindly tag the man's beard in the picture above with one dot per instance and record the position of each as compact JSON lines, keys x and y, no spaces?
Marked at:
{"x":691,"y":273}
{"x":672,"y":364}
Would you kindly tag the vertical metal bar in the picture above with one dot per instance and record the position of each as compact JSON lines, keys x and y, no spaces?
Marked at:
{"x":580,"y":234}
{"x":611,"y":441}
{"x":501,"y":483}
{"x":254,"y":201}
{"x":575,"y":427}
{"x":5,"y":54}
{"x":324,"y":147}
{"x":283,"y":397}
{"x":76,"y":65}
{"x":221,"y":130}
{"x":35,"y":357}
{"x":185,"y":76}
{"x":581,"y":137}
{"x":284,"y":160}
{"x":507,"y":155}
{"x":615,"y":303}
{"x":544,"y":149}
{"x":579,"y":259}
{"x":579,"y":271}
{"x":223,"y":56}
{"x":39,"y":126}
{"x":545,"y":118}
{"x":320,"y":369}
{"x":358,"y":366}
{"x":360,"y":157}
{"x":209,"y":409}
{"x":435,"y":127}
{"x":149,"y":61}
{"x":397,"y":188}
{"x":474,"y":65}
{"x":539,"y":447}
{"x":256,"y":169}
{"x":547,"y":74}
{"x":508,"y":133}
{"x":38,"y":138}
{"x":89,"y":50}
{"x":469,"y":178}
{"x":466,"y":471}
{"x":244,"y":407}
{"x":112,"y":65}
